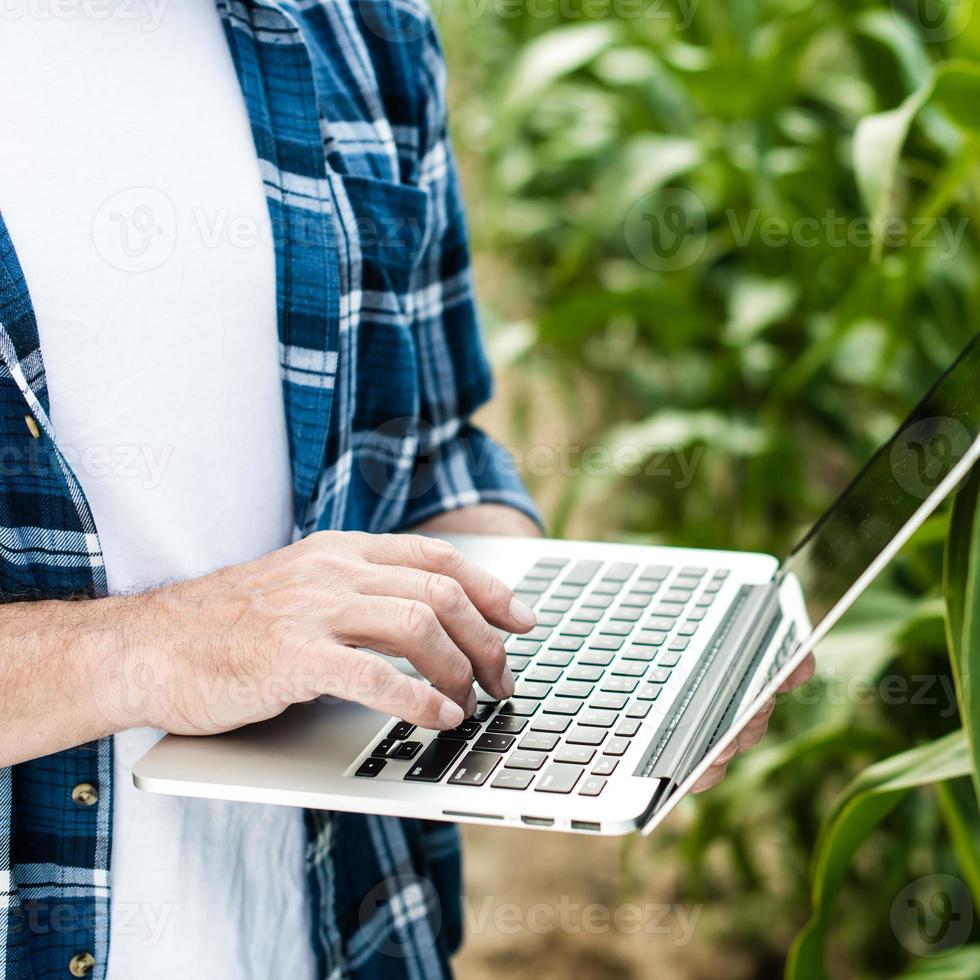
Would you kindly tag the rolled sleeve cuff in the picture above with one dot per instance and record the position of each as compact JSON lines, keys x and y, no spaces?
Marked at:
{"x":463,"y":471}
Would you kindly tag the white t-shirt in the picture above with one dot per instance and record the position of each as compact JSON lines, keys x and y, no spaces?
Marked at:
{"x":130,"y":187}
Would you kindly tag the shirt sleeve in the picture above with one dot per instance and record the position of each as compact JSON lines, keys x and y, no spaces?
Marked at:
{"x":457,"y":465}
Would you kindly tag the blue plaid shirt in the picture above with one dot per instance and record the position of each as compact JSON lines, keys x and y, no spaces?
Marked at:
{"x":381,"y":365}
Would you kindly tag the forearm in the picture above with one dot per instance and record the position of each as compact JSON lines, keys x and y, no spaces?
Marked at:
{"x":63,"y":667}
{"x":481,"y":519}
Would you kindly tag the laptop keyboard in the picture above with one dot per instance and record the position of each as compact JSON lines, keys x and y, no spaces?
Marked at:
{"x":608,"y":637}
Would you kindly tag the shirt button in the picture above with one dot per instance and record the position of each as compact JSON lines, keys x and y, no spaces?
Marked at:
{"x":32,"y":426}
{"x":80,"y":965}
{"x":84,"y":794}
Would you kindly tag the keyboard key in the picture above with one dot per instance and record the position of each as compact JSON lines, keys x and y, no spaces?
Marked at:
{"x":606,"y":643}
{"x":659,"y":675}
{"x":638,"y":599}
{"x":679,"y":644}
{"x":550,"y":561}
{"x":532,"y":585}
{"x":538,"y":634}
{"x":696,"y":615}
{"x":603,"y":587}
{"x":584,"y":672}
{"x":523,"y":648}
{"x":512,"y":779}
{"x":616,"y":628}
{"x":662,"y":623}
{"x":649,"y":692}
{"x":526,"y":760}
{"x":627,"y":614}
{"x":517,"y":664}
{"x":551,"y":723}
{"x":592,"y":786}
{"x":543,"y":675}
{"x":402,"y":730}
{"x":630,"y":668}
{"x":638,"y":709}
{"x":627,"y":728}
{"x":712,"y":587}
{"x":643,"y":654}
{"x":687,"y":629}
{"x":562,"y":706}
{"x":484,"y":710}
{"x":609,"y":702}
{"x":538,"y":742}
{"x":554,"y":658}
{"x":492,"y":742}
{"x":668,"y":658}
{"x":558,"y":778}
{"x":605,"y":766}
{"x":587,"y":614}
{"x":565,"y":644}
{"x":556,"y":604}
{"x":465,"y":730}
{"x":574,"y":689}
{"x":523,"y":707}
{"x":676,"y":595}
{"x":595,"y":658}
{"x":616,"y":746}
{"x":435,"y":761}
{"x":548,"y":572}
{"x":370,"y":767}
{"x":574,"y":628}
{"x":655,"y":571}
{"x":381,"y":750}
{"x":582,"y":572}
{"x":597,"y":718}
{"x":567,"y":592}
{"x":693,"y":571}
{"x":507,"y":725}
{"x":672,"y":609}
{"x":585,"y":736}
{"x":620,"y":571}
{"x":529,"y":689}
{"x":619,"y":685}
{"x":549,"y":618}
{"x":475,"y":769}
{"x":650,"y":638}
{"x":597,"y":601}
{"x":576,"y":755}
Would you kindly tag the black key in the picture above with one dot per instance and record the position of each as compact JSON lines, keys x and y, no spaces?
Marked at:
{"x":638,"y":710}
{"x":626,"y":614}
{"x":620,"y":571}
{"x":562,"y":706}
{"x":538,"y":742}
{"x":538,"y":634}
{"x":659,"y":675}
{"x":529,"y":689}
{"x":630,"y":668}
{"x":606,"y":643}
{"x":616,"y":746}
{"x":582,"y":572}
{"x":565,"y":643}
{"x":507,"y":725}
{"x":567,"y":591}
{"x":597,"y":718}
{"x":584,"y":672}
{"x":543,"y":675}
{"x":516,"y":663}
{"x":574,"y":689}
{"x":522,"y":707}
{"x":609,"y":702}
{"x":558,"y":778}
{"x":523,"y":648}
{"x":526,"y":760}
{"x":512,"y":779}
{"x":668,"y":658}
{"x":619,"y":685}
{"x":593,"y":786}
{"x":605,"y":766}
{"x":650,"y":638}
{"x":595,"y":658}
{"x":576,"y":755}
{"x":627,"y":728}
{"x":585,"y":736}
{"x":381,"y":750}
{"x":465,"y":730}
{"x":551,"y":723}
{"x":483,"y":710}
{"x":402,"y":730}
{"x":475,"y":769}
{"x":407,"y":750}
{"x":370,"y":767}
{"x":556,"y":604}
{"x":491,"y":742}
{"x":587,"y":614}
{"x":435,"y":761}
{"x":554,"y":658}
{"x":596,"y":601}
{"x":604,"y":587}
{"x":616,"y":628}
{"x":643,"y":654}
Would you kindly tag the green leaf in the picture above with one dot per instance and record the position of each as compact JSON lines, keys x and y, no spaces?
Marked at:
{"x":865,"y":802}
{"x":962,"y":587}
{"x":964,"y":964}
{"x":961,"y":836}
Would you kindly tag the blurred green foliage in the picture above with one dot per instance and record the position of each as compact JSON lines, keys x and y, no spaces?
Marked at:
{"x":743,"y":234}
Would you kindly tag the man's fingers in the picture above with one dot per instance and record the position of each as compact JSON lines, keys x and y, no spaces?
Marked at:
{"x":478,"y":640}
{"x":410,"y":629}
{"x":799,"y":676}
{"x":355,"y":675}
{"x":710,"y":777}
{"x":496,"y":602}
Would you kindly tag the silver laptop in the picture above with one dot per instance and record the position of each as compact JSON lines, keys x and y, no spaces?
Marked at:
{"x":646,"y":662}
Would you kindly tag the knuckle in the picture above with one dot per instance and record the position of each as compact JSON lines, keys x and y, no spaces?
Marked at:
{"x":364,"y":676}
{"x":459,"y":673}
{"x":418,"y":619}
{"x":440,"y":553}
{"x":445,"y":592}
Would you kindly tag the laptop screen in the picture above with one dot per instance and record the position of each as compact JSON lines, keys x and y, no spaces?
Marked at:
{"x":941,"y":432}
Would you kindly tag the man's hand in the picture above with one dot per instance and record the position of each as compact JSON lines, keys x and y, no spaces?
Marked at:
{"x":240,"y":645}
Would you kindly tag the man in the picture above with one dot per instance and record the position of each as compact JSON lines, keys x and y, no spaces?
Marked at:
{"x":235,"y":310}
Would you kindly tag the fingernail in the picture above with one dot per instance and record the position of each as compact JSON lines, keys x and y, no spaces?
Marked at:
{"x":471,"y":703}
{"x":506,"y":682}
{"x":521,"y":614}
{"x":450,"y":714}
